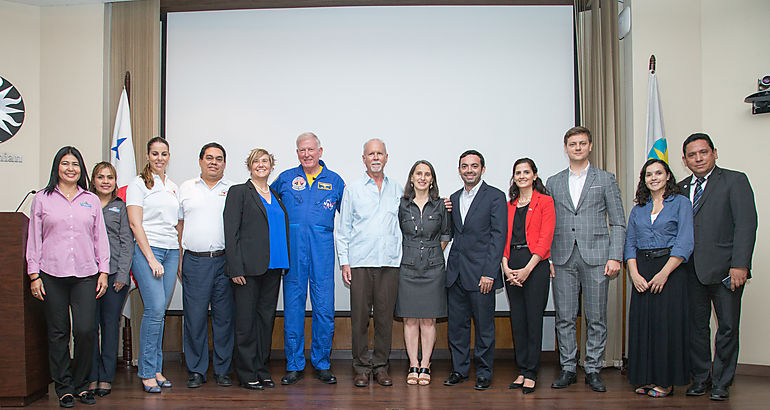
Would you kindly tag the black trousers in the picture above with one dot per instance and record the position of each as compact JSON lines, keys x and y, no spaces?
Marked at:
{"x":70,"y":375}
{"x":727,"y":305}
{"x":372,"y":290}
{"x":255,"y":304}
{"x":109,"y":310}
{"x":527,"y":304}
{"x":461,"y":306}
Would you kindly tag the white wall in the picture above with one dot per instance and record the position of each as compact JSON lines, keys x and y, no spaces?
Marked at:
{"x":20,"y":48}
{"x":710,"y":54}
{"x":56,"y":59}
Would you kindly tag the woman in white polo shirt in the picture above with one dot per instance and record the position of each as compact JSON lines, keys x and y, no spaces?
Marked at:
{"x":153,"y":208}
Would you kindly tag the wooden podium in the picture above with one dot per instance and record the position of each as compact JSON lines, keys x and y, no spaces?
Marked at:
{"x":24,"y":375}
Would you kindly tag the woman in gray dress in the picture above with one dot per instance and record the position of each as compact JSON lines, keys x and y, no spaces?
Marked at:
{"x":422,"y":278}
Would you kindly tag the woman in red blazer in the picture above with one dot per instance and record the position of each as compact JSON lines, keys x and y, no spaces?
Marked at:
{"x":531,"y":221}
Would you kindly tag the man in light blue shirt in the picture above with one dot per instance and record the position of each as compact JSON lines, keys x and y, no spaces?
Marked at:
{"x":369,"y":251}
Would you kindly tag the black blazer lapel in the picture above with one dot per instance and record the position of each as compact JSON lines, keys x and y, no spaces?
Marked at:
{"x":479,"y":197}
{"x":255,"y":199}
{"x":711,"y":185}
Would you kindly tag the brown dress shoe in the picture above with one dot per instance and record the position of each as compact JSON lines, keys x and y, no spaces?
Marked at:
{"x":382,"y":376}
{"x":361,"y":380}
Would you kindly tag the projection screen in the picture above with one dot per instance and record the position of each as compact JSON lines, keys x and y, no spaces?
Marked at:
{"x":429,"y":81}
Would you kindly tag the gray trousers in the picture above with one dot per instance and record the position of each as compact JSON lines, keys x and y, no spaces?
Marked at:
{"x":569,"y":279}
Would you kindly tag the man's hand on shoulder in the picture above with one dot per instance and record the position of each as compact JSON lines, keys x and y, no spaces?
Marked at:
{"x":447,"y":204}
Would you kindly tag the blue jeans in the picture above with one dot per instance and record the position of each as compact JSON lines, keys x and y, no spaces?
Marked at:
{"x":156,"y":294}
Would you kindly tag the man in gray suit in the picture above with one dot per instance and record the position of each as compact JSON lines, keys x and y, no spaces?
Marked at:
{"x":725,"y":224}
{"x":584,"y":255}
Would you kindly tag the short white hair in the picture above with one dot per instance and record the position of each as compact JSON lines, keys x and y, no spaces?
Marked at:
{"x":308,"y":135}
{"x":378,"y":140}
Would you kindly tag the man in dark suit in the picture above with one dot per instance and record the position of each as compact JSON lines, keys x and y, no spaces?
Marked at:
{"x":725,"y":224}
{"x":473,"y":271}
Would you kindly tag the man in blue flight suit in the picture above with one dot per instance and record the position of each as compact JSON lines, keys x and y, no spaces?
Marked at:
{"x":312,"y":194}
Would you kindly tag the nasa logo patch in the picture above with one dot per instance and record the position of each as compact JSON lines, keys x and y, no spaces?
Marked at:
{"x":298,"y":184}
{"x":328,"y":204}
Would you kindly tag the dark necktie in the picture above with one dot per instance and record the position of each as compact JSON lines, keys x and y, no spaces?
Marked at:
{"x":696,"y":198}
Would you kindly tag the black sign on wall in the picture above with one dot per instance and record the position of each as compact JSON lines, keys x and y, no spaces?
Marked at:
{"x":11,"y":110}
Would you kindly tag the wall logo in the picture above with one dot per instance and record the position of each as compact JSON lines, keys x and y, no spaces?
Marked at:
{"x":11,"y":110}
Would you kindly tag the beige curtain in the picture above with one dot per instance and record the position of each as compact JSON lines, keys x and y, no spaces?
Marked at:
{"x":599,"y":88}
{"x":135,"y":47}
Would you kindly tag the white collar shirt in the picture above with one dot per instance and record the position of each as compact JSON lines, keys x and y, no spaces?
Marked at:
{"x":576,"y":182}
{"x":694,"y":180}
{"x":466,"y":199}
{"x":201,"y":209}
{"x":160,"y":207}
{"x":368,"y":234}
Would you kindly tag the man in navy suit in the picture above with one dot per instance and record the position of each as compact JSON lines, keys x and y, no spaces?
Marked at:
{"x":473,"y":270}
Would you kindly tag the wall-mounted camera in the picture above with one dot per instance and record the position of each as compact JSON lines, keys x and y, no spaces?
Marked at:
{"x":760,"y":100}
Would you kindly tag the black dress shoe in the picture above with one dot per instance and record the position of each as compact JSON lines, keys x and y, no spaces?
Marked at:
{"x":482,"y":383}
{"x":565,"y":379}
{"x":292,"y":377}
{"x":596,"y":383}
{"x":698,"y":389}
{"x":269,"y":383}
{"x":325,"y":376}
{"x":67,"y":401}
{"x":527,"y":390}
{"x":195,"y":380}
{"x":719,"y":393}
{"x":454,"y":379}
{"x":257,"y":385}
{"x":102,"y":392}
{"x":87,"y":397}
{"x":223,"y":380}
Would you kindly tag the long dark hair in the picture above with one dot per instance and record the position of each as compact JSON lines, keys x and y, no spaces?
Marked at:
{"x":409,"y":188}
{"x":53,"y":180}
{"x":97,"y":169}
{"x":146,"y":174}
{"x":643,"y":193}
{"x":537,"y":184}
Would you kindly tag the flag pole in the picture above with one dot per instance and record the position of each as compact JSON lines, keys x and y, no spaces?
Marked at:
{"x":127,"y":84}
{"x":128,"y":351}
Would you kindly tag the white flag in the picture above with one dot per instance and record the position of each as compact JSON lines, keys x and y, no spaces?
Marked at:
{"x":122,"y":158}
{"x":122,"y":147}
{"x":656,"y":136}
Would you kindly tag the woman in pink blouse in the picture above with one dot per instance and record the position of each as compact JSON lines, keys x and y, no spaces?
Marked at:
{"x":68,"y":259}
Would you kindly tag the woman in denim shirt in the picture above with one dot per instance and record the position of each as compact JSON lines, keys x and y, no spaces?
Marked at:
{"x":658,"y":240}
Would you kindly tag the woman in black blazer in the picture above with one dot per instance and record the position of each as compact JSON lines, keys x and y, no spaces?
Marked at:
{"x":257,"y":249}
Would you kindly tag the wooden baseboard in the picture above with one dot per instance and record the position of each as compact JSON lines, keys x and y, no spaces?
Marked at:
{"x":753,"y":370}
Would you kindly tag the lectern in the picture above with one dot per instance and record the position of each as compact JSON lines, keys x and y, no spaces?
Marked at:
{"x":24,"y":375}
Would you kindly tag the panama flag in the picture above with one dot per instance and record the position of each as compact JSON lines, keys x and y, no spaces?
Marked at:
{"x":122,"y":148}
{"x":656,"y":137}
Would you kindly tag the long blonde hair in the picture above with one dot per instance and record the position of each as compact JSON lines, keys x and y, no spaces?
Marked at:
{"x":146,"y":173}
